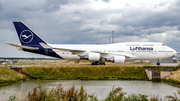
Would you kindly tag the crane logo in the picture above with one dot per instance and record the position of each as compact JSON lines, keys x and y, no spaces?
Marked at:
{"x":26,"y":36}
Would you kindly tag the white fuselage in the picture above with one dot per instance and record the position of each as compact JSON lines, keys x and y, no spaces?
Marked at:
{"x":131,"y":50}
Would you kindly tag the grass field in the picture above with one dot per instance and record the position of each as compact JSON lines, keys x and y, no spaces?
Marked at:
{"x":9,"y":76}
{"x":175,"y":76}
{"x":78,"y":64}
{"x":84,"y":70}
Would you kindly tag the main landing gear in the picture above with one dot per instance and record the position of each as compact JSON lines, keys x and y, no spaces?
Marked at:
{"x":158,"y":63}
{"x":98,"y":63}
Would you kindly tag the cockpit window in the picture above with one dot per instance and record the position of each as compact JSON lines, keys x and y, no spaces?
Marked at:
{"x":163,"y":45}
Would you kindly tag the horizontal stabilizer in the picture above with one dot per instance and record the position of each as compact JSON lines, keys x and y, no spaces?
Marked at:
{"x":24,"y":47}
{"x":45,"y":45}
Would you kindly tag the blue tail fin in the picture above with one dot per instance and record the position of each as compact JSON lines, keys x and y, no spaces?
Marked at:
{"x":26,"y":35}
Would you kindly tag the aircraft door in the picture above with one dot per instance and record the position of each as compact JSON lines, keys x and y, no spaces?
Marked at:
{"x":155,"y":51}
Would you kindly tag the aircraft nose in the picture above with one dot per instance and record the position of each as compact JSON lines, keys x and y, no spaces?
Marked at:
{"x":174,"y":52}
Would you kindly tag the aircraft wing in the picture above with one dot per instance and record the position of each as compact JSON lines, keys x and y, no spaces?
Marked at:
{"x":24,"y":47}
{"x":62,"y":49}
{"x":68,"y":49}
{"x":124,"y":54}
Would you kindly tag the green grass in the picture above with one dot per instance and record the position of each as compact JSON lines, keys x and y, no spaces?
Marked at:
{"x":60,"y":70}
{"x":9,"y":75}
{"x":86,"y":73}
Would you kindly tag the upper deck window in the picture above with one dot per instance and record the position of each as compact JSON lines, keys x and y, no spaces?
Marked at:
{"x":148,"y":45}
{"x":132,"y":45}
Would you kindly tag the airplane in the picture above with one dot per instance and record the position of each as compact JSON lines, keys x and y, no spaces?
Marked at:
{"x":116,"y":52}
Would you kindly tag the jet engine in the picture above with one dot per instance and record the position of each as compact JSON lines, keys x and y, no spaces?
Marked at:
{"x":119,"y":59}
{"x":94,"y":56}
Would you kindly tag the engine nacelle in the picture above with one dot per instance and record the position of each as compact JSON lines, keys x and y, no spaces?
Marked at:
{"x":119,"y":59}
{"x":94,"y":56}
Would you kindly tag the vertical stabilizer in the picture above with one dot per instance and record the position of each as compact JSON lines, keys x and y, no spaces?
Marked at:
{"x":26,"y":35}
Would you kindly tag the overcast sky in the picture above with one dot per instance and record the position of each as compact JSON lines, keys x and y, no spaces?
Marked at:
{"x":90,"y":22}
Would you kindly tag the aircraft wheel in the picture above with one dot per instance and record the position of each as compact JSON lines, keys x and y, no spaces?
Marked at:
{"x":158,"y":64}
{"x":95,"y":63}
{"x":101,"y":63}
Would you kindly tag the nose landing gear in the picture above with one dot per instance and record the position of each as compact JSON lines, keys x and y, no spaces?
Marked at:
{"x":158,"y":63}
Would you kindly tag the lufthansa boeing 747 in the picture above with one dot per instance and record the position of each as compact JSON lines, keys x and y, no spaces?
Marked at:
{"x":117,"y":52}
